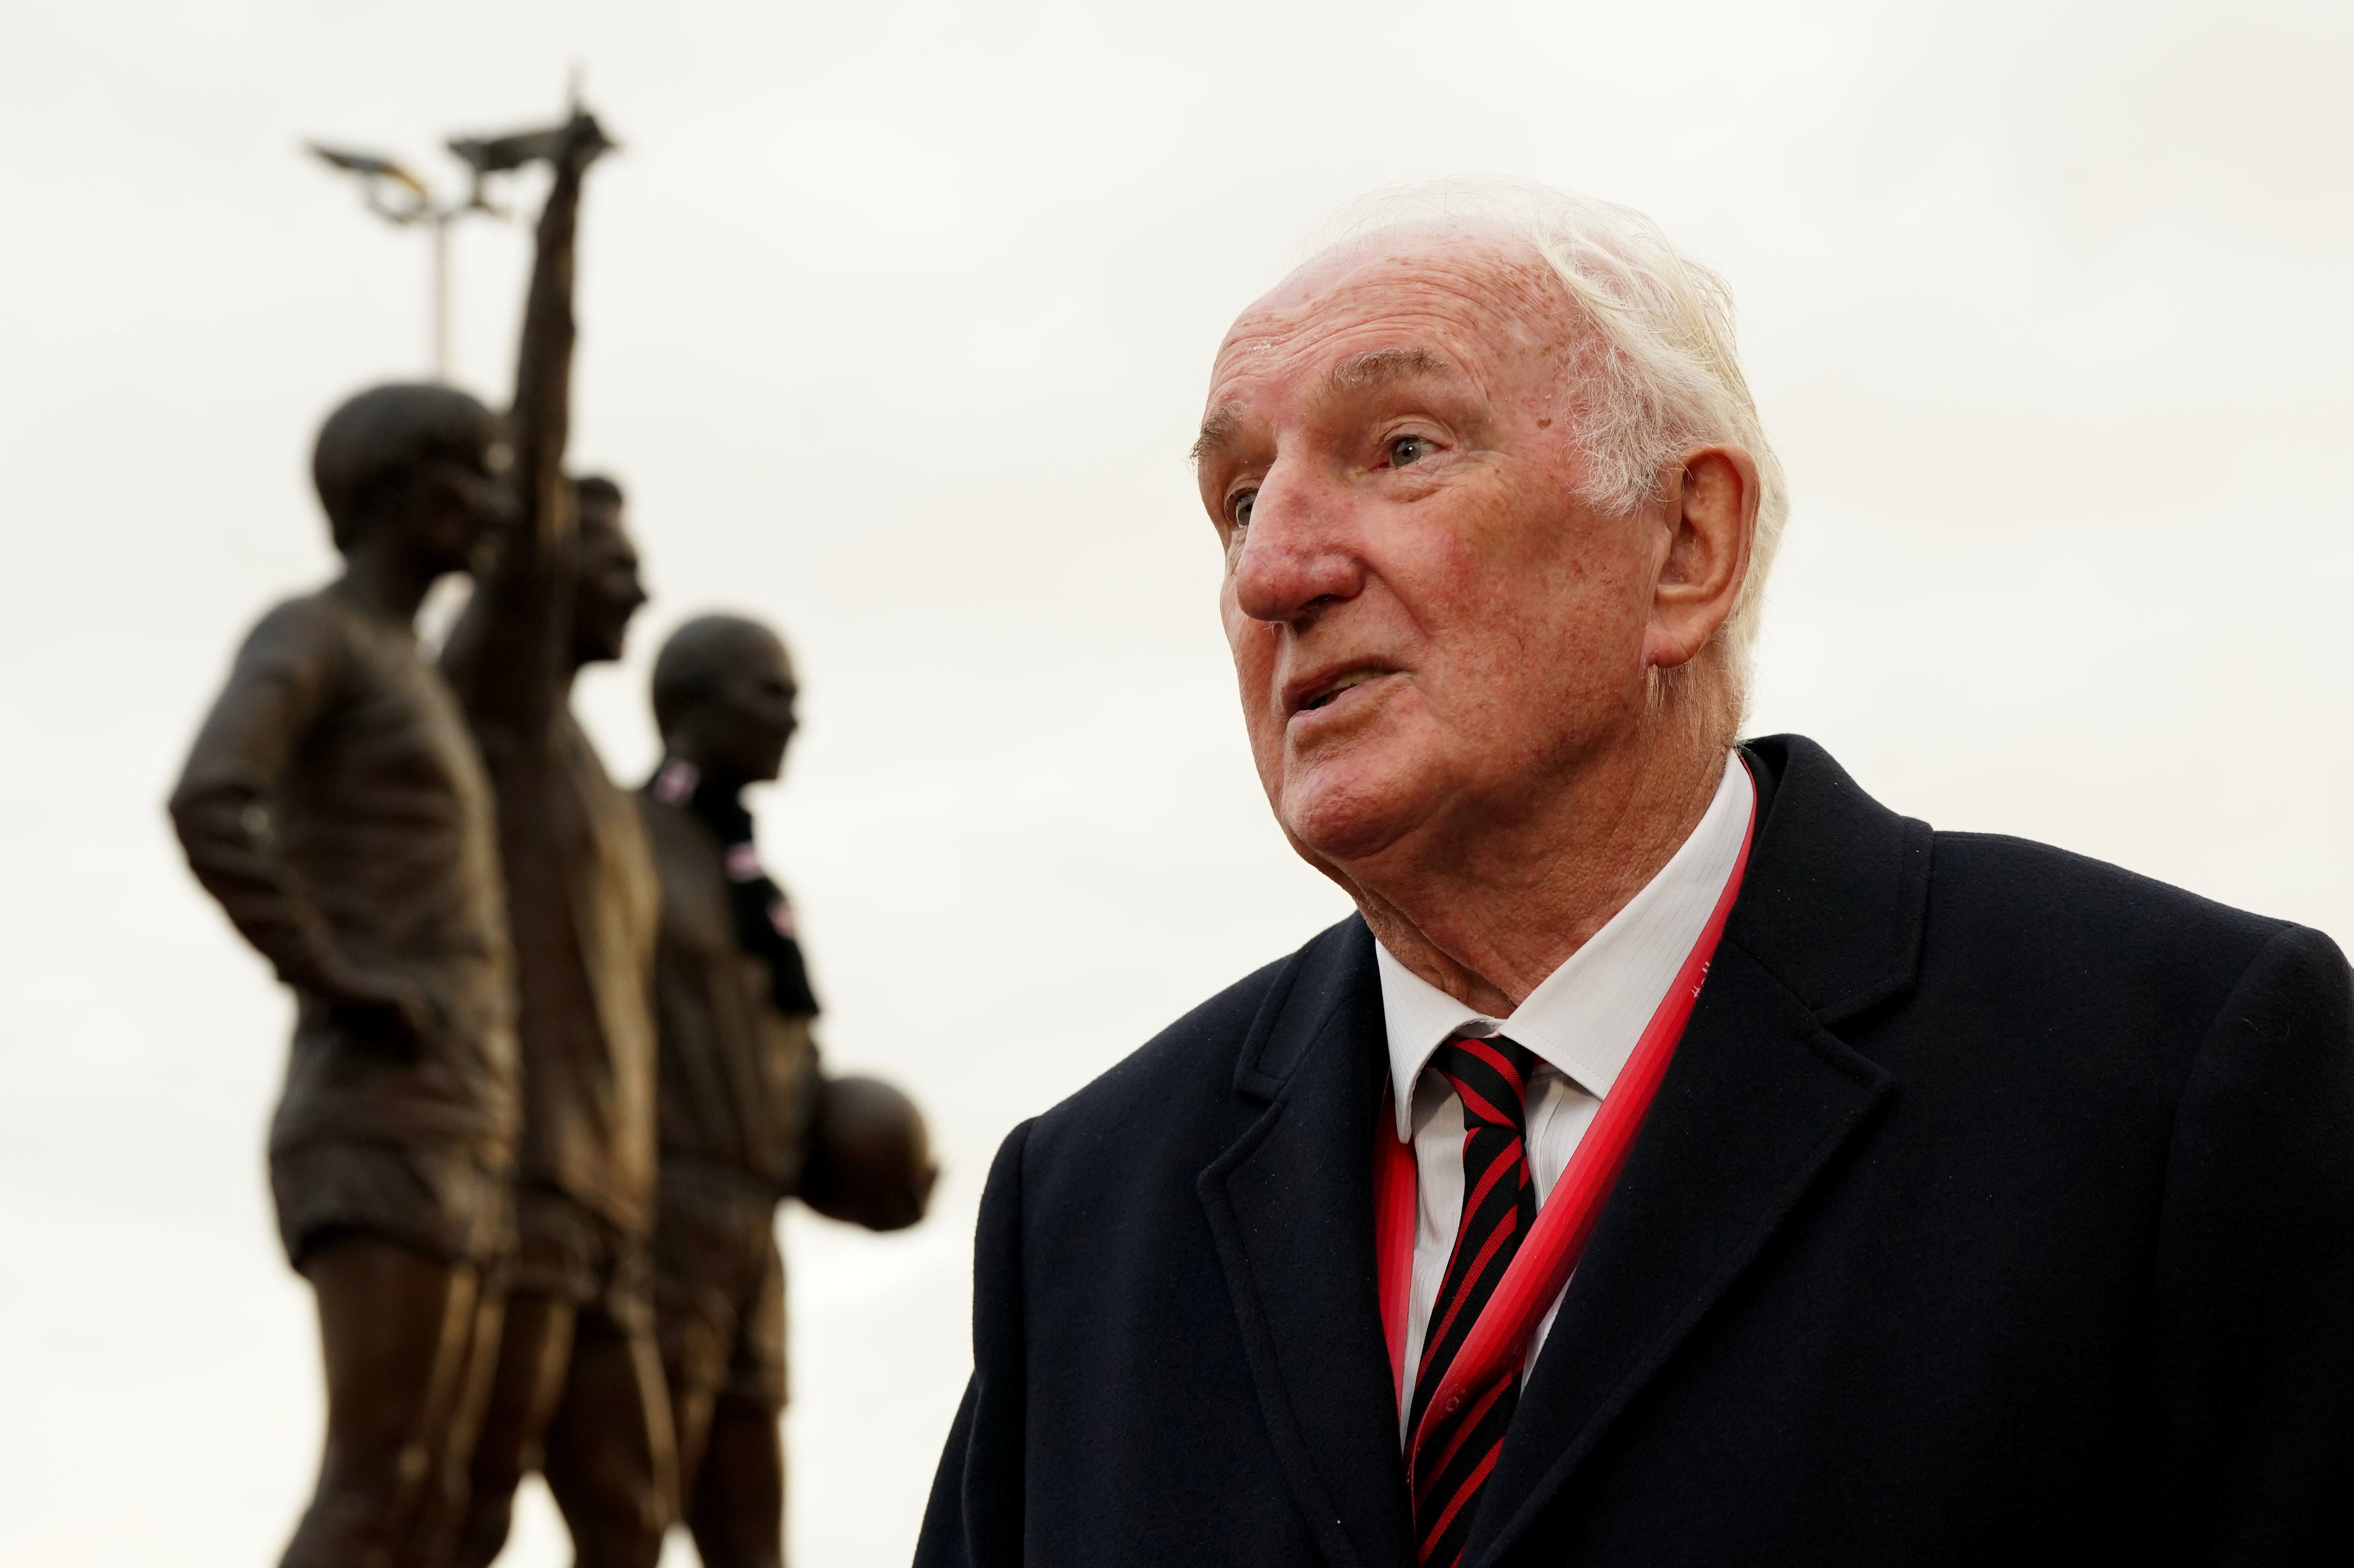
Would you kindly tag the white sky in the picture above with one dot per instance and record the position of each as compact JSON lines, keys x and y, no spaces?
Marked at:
{"x":895,"y":319}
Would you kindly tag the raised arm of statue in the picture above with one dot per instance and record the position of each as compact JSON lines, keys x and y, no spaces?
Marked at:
{"x":509,"y":656}
{"x":285,"y":677}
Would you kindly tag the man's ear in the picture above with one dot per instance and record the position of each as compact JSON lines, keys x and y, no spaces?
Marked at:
{"x":1710,"y":514}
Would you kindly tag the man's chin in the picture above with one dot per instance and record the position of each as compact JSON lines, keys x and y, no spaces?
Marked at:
{"x":1342,"y":823}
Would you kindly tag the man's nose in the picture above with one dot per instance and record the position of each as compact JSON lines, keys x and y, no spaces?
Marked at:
{"x":1295,"y":555}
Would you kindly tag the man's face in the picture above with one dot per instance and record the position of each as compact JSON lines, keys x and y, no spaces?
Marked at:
{"x":610,"y":592}
{"x":1428,"y":625}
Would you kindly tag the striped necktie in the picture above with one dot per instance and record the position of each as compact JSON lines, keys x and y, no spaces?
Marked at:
{"x":1449,"y":1458}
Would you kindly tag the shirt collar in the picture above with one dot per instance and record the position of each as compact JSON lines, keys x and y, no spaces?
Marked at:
{"x":1586,"y":1017}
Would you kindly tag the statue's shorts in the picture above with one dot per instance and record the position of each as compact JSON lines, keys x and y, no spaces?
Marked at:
{"x":567,"y":1250}
{"x":719,"y":1289}
{"x":443,"y":1198}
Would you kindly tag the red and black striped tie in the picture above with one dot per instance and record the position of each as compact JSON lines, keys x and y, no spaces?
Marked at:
{"x":1448,"y":1462}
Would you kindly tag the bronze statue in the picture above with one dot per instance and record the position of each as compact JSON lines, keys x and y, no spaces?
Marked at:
{"x":577,"y":1391}
{"x":335,"y":806}
{"x":748,"y":1119}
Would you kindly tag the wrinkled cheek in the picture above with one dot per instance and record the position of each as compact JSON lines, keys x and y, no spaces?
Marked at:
{"x":1270,"y":737}
{"x":1240,"y":628}
{"x":1253,"y":645}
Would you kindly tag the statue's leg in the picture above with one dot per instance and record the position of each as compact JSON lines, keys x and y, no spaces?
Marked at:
{"x":434,"y":1542}
{"x":394,"y":1324}
{"x":535,"y":1346}
{"x":611,"y":1458}
{"x":551,"y":1273}
{"x":737,"y":1513}
{"x":737,"y":1507}
{"x":694,"y":1340}
{"x":700,"y":1265}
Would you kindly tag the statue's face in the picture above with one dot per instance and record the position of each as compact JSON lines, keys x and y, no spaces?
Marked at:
{"x":458,"y":502}
{"x":743,"y":727}
{"x":610,"y":593}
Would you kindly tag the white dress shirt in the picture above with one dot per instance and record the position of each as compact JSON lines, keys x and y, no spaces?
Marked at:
{"x":1581,"y":1022}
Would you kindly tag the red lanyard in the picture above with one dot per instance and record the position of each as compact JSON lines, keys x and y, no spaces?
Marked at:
{"x":1540,"y":1268}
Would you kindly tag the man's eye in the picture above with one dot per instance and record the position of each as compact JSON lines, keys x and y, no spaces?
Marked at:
{"x":1238,"y":510}
{"x":1404,"y":449}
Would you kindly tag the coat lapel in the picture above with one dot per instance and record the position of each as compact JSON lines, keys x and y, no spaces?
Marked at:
{"x":1759,"y":1100}
{"x":1291,"y":1207}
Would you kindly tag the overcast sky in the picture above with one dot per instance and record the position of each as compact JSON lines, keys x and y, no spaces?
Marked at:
{"x":895,"y":322}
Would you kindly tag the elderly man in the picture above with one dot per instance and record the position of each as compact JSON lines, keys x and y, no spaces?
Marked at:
{"x":1985,"y":1204}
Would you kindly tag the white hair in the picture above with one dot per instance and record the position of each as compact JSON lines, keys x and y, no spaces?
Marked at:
{"x":1655,"y":372}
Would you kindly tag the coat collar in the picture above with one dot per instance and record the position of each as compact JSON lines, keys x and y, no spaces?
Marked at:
{"x":1838,"y":885}
{"x":1759,"y":1098}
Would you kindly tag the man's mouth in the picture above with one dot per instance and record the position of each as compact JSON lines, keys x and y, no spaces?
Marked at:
{"x":1328,"y":692}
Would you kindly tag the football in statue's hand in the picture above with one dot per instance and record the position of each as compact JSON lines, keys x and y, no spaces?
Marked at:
{"x":870,"y":1163}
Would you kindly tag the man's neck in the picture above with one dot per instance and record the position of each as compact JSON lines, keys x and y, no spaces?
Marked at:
{"x":1486,"y":916}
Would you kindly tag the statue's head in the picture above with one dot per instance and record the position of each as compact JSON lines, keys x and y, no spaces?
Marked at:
{"x":610,"y":592}
{"x":724,"y":696}
{"x":414,"y":465}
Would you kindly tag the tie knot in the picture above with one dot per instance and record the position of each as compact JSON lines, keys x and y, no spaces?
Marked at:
{"x":1492,"y":1076}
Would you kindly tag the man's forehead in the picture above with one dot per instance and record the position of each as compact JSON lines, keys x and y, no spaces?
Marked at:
{"x":1471,"y":274}
{"x":1457,"y":307}
{"x":1370,"y":317}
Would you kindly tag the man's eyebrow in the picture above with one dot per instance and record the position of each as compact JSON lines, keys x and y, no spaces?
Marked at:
{"x":1358,"y":373}
{"x":1219,"y":429}
{"x":1381,"y":366}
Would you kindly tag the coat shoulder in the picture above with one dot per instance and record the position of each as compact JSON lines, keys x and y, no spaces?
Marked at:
{"x":2076,"y":909}
{"x":1176,"y":1094}
{"x":2024,"y":942}
{"x":1188,"y":1063}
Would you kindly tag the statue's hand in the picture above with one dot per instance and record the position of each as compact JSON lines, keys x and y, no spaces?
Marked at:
{"x":582,"y":143}
{"x":383,"y":1009}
